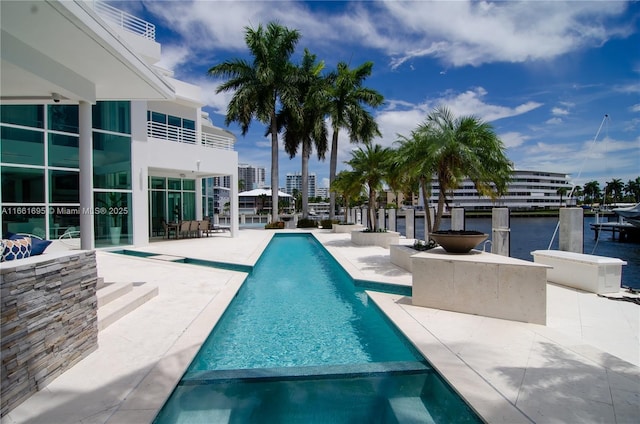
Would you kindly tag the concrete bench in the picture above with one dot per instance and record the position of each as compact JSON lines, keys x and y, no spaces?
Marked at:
{"x":481,"y":283}
{"x":596,"y":274}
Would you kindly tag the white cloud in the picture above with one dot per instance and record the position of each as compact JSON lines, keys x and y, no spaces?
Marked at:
{"x":554,"y":121}
{"x":513,"y":139}
{"x":472,"y":33}
{"x":559,"y":111}
{"x":635,"y":108}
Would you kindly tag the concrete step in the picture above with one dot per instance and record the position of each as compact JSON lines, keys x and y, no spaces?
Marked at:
{"x":111,"y":291}
{"x":128,"y":302}
{"x":100,"y":283}
{"x":410,"y":410}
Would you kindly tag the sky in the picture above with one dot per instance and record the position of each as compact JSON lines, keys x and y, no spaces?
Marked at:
{"x":559,"y":81}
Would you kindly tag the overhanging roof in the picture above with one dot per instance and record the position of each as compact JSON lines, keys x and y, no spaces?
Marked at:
{"x":64,"y":47}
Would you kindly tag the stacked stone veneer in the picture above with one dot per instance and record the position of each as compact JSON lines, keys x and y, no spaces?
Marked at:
{"x":49,"y":320}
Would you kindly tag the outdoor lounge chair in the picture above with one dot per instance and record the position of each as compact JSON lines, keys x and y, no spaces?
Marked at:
{"x":185,"y":227}
{"x":193,"y":229}
{"x":203,"y":227}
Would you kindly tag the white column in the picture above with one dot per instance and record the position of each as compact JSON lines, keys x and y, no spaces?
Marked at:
{"x":500,"y":232}
{"x":198,"y":198}
{"x":233,"y":204}
{"x":85,"y":152}
{"x":457,"y":219}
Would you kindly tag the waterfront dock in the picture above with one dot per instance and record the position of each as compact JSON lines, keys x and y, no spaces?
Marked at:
{"x":624,"y":230}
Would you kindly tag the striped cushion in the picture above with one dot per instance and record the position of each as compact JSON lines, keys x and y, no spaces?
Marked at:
{"x":16,"y":249}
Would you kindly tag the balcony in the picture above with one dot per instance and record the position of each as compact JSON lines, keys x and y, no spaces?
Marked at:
{"x":185,"y":135}
{"x":124,"y":20}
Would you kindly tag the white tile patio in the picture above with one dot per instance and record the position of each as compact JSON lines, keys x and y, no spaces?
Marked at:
{"x":583,"y":366}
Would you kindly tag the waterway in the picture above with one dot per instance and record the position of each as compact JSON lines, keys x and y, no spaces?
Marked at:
{"x":535,"y":233}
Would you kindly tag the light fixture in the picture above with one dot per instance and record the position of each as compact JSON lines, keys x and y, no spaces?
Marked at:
{"x":56,"y":97}
{"x":182,"y":175}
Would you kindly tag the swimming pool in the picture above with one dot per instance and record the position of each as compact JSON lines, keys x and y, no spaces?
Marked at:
{"x":302,"y":343}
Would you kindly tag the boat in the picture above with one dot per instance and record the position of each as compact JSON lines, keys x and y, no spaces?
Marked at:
{"x":630,"y":214}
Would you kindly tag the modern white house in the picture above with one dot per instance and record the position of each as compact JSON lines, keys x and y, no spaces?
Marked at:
{"x":96,"y":137}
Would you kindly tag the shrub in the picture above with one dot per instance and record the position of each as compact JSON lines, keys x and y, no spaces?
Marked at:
{"x":379,"y":230}
{"x":328,"y":223}
{"x":423,"y":245}
{"x":307,"y":223}
{"x":276,"y":225}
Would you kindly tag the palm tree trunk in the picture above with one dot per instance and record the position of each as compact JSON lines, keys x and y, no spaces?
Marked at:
{"x":333,"y":164}
{"x":373,"y":223}
{"x":440,"y":210}
{"x":305,"y":180}
{"x":274,"y":166}
{"x":425,"y":201}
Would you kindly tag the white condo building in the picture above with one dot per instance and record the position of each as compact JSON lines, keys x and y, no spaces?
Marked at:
{"x":294,"y":182}
{"x":95,"y":135}
{"x":527,"y":190}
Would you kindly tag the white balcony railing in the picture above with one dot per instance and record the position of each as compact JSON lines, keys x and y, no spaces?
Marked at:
{"x":125,"y":20}
{"x":185,"y":135}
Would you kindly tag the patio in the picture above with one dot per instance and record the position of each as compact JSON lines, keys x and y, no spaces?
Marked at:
{"x":583,"y":366}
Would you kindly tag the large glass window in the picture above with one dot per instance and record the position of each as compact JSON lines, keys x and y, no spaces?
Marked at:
{"x":64,"y":219}
{"x":64,"y":186}
{"x":111,"y":161}
{"x":23,"y":219}
{"x":22,"y":185}
{"x":112,"y":116}
{"x":113,"y":218}
{"x":175,"y":184}
{"x":63,"y":118}
{"x":63,"y":151}
{"x":25,"y":115}
{"x":22,"y":146}
{"x":158,"y":183}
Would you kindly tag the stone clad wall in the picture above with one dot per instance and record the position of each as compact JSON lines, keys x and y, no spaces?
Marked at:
{"x":49,"y":320}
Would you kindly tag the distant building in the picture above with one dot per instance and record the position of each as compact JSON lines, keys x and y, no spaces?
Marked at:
{"x":253,"y":176}
{"x":322,"y":192}
{"x":527,"y":190}
{"x":294,"y":182}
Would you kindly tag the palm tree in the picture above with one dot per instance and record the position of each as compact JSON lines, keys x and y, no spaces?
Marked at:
{"x":259,"y":86}
{"x":632,"y":188}
{"x":562,"y":191}
{"x":464,"y":147}
{"x":347,"y":102}
{"x":614,"y":188}
{"x":348,"y":186}
{"x":414,"y":157}
{"x":306,"y":124}
{"x":577,"y":192}
{"x":592,"y":190}
{"x":369,"y":166}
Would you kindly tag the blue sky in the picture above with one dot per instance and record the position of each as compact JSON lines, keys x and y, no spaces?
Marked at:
{"x":544,"y":74}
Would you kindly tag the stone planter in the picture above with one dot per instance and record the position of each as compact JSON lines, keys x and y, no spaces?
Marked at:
{"x":385,"y":240}
{"x":346,"y":228}
{"x":458,"y":241}
{"x":401,"y":255}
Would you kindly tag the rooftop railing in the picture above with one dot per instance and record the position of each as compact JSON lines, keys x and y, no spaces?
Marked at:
{"x":125,"y":20}
{"x":186,"y":135}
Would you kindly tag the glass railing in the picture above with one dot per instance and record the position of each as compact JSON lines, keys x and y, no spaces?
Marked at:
{"x":186,"y":135}
{"x":125,"y":20}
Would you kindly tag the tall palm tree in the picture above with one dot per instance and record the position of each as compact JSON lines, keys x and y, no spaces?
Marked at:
{"x":632,"y":188}
{"x":464,"y":147}
{"x":592,"y":190}
{"x":414,"y":157}
{"x":614,"y":188}
{"x":261,"y":85}
{"x":347,"y":102}
{"x":369,"y":166}
{"x":562,"y":191}
{"x":305,"y":125}
{"x":348,"y":186}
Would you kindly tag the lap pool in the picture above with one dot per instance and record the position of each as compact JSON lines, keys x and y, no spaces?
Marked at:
{"x":301,"y":343}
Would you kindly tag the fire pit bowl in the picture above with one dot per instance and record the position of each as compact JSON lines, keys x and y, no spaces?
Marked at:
{"x":458,"y":241}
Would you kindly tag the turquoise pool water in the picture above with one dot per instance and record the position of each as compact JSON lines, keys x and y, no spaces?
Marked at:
{"x":302,"y":343}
